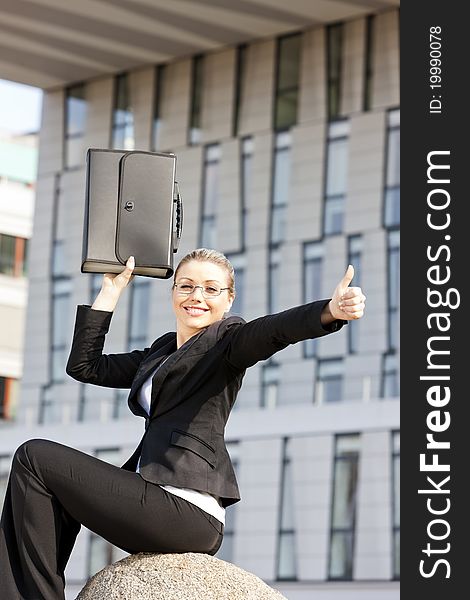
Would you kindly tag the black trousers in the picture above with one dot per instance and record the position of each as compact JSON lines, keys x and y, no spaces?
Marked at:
{"x":54,"y":489}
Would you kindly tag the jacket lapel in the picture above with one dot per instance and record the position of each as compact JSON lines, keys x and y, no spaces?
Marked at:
{"x":151,"y":363}
{"x":162,"y":373}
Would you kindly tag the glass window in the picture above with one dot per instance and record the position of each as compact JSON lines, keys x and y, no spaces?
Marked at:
{"x":390,"y":376}
{"x":274,"y":280}
{"x":61,"y":292}
{"x":24,"y":270}
{"x":336,"y":176}
{"x":313,"y":276}
{"x":123,"y":115}
{"x":287,"y":88}
{"x":287,"y":567}
{"x":210,"y":196}
{"x":368,"y":71}
{"x":7,"y":254}
{"x":13,"y":255}
{"x":92,"y":408}
{"x":121,"y":408}
{"x":238,"y":264}
{"x":330,"y":380}
{"x":50,"y":410}
{"x":197,"y":82}
{"x":334,"y":40}
{"x":393,"y":288}
{"x":76,"y":107}
{"x":355,"y":259}
{"x":157,"y":114}
{"x":59,"y":267}
{"x":392,"y":171}
{"x":343,"y":514}
{"x":270,"y":385}
{"x":396,"y":502}
{"x":281,"y":186}
{"x":246,"y":184}
{"x":8,"y":397}
{"x":139,"y":309}
{"x":240,"y":86}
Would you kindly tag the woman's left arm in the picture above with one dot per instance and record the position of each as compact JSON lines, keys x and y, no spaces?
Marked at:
{"x":261,"y":338}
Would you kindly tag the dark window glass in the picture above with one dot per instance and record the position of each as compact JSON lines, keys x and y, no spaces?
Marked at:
{"x":355,"y":259}
{"x":61,"y":292}
{"x":334,"y":41}
{"x":157,"y":115}
{"x":8,"y":397}
{"x":336,"y":177}
{"x":240,"y":84}
{"x":210,"y":196}
{"x":343,"y":514}
{"x":390,"y":376}
{"x":368,"y":71}
{"x":238,"y":263}
{"x":330,"y":381}
{"x":281,"y":186}
{"x":313,"y":276}
{"x":246,"y":185}
{"x":270,"y":385}
{"x":139,"y":313}
{"x":274,"y":281}
{"x":76,"y":107}
{"x":392,"y":171}
{"x":196,"y":100}
{"x":7,"y":254}
{"x":287,"y":89}
{"x":25,"y":257}
{"x":396,"y":502}
{"x":287,"y":559}
{"x":393,"y":288}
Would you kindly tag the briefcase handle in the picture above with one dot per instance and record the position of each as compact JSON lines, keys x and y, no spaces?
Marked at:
{"x":178,"y":217}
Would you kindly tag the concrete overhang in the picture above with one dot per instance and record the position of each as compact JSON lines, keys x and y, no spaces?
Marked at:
{"x":52,"y":43}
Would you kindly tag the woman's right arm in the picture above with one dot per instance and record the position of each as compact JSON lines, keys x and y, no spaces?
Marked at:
{"x":86,"y":362}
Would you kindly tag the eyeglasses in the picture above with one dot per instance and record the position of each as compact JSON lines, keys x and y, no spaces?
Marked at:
{"x":208,"y":291}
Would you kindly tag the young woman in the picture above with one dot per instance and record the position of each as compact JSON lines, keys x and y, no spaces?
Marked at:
{"x":170,"y":496}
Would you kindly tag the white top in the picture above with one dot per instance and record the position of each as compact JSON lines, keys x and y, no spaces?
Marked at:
{"x":203,"y":500}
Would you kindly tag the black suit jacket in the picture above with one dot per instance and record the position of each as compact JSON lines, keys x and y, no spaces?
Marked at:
{"x":194,"y":390}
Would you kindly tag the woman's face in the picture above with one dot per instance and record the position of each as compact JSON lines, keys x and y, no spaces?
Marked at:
{"x":194,"y":312}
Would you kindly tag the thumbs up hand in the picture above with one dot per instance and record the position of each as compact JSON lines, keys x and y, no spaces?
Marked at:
{"x":347,"y":303}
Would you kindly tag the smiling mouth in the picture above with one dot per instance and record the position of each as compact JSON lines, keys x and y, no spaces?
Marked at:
{"x":195,"y":311}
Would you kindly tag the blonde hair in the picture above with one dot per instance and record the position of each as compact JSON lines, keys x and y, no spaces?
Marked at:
{"x":213,"y":256}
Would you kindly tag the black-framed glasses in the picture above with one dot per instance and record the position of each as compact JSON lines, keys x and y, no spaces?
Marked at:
{"x":208,"y":291}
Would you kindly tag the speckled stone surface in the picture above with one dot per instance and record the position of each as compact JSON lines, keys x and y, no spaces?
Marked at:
{"x":188,"y":576}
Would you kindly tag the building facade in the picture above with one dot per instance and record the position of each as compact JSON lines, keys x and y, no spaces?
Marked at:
{"x":18,"y":163}
{"x":288,"y":162}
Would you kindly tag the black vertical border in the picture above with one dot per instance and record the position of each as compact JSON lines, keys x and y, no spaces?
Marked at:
{"x":423,"y":132}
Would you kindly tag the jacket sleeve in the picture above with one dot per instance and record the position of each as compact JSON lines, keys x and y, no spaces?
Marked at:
{"x":87,"y":363}
{"x":261,"y":338}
